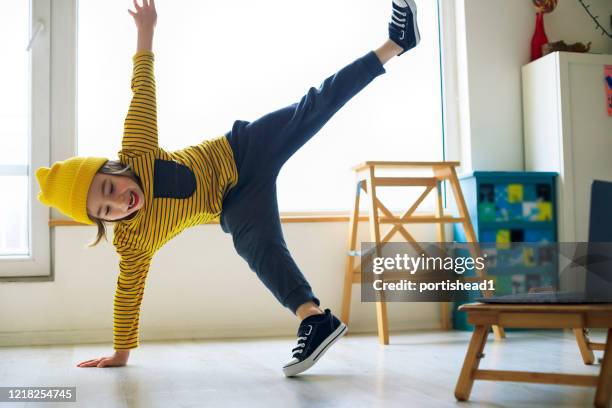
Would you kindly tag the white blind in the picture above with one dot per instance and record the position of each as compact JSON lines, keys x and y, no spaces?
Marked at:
{"x":217,"y":62}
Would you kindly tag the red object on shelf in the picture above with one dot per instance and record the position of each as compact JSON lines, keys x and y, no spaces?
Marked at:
{"x":608,"y":81}
{"x":539,"y":37}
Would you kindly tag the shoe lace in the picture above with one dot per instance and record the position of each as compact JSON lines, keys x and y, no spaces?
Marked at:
{"x":300,"y":346}
{"x":301,"y":341}
{"x":400,"y":17}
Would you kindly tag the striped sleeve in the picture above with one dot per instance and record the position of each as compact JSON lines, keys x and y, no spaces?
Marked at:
{"x":140,"y":128}
{"x":133,"y":269}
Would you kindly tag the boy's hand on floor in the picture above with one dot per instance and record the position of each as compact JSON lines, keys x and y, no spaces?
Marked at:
{"x":118,"y":359}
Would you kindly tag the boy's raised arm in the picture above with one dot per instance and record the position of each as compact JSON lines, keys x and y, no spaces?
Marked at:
{"x":140,"y":128}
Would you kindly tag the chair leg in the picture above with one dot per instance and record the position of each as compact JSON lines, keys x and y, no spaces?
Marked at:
{"x":471,"y":363}
{"x":583,"y":345}
{"x":604,"y":384}
{"x":499,"y":332}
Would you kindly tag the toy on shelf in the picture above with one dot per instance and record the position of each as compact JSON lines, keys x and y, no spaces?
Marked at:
{"x":562,"y":46}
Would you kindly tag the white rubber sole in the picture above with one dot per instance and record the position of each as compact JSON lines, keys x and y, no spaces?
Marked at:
{"x":413,"y":9}
{"x":300,"y":367}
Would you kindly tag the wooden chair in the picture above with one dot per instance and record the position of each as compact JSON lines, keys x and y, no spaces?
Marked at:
{"x":585,"y":345}
{"x":536,"y":316}
{"x":368,"y":181}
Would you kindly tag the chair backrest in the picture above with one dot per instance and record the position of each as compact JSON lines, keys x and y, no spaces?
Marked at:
{"x":599,"y":261}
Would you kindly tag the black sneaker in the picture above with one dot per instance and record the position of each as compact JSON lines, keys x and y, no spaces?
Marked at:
{"x":316,"y":334}
{"x":403,"y":29}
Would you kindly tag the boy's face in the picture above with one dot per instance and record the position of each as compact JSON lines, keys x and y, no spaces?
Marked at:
{"x":111,"y":197}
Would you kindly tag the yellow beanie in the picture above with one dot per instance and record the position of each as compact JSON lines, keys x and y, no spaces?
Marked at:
{"x":65,"y":185}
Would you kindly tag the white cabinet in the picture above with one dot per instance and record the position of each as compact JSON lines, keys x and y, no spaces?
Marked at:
{"x":567,"y":129}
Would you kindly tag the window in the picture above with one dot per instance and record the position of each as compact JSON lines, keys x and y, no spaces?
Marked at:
{"x":217,"y":62}
{"x":24,"y":123}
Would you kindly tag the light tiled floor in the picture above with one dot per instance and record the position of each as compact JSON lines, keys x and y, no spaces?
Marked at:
{"x":418,"y":369}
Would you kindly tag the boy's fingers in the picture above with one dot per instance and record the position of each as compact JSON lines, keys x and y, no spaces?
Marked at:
{"x":88,"y":364}
{"x":136,"y":5}
{"x":89,"y":361}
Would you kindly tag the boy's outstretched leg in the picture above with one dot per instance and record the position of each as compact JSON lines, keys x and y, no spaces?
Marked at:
{"x":250,"y":211}
{"x":318,"y":332}
{"x":276,"y":136}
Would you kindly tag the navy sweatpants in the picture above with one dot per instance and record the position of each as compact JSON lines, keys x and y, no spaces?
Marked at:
{"x":250,"y":209}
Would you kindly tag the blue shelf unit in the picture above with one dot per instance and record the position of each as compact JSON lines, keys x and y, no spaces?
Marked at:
{"x":507,"y":207}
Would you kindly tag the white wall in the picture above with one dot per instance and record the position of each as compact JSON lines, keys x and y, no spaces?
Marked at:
{"x":491,"y":50}
{"x":570,"y":23}
{"x":198,"y":287}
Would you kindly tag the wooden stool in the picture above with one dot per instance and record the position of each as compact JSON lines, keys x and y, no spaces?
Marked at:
{"x":369,"y":182}
{"x":536,"y":317}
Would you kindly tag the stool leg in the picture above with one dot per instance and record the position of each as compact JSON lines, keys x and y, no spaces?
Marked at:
{"x":445,"y":315}
{"x":381,"y":318}
{"x":350,"y":261}
{"x":381,"y":306}
{"x":471,"y":363}
{"x":604,"y":385}
{"x":583,"y":346}
{"x":440,"y":213}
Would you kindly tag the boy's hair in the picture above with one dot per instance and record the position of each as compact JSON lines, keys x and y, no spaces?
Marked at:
{"x":115,"y":168}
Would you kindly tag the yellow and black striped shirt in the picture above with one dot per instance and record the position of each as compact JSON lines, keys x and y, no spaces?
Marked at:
{"x":160,"y":219}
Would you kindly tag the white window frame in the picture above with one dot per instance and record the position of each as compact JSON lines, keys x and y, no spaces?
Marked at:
{"x":451,"y":115}
{"x":451,"y":35}
{"x":38,"y":262}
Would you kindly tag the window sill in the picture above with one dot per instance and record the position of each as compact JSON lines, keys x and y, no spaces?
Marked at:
{"x":286,"y":217}
{"x":294,"y":217}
